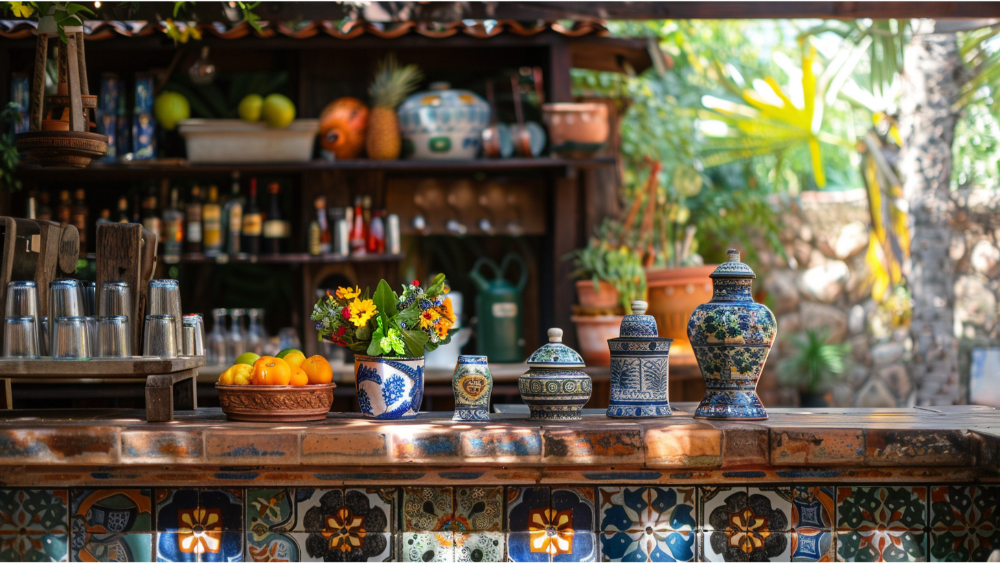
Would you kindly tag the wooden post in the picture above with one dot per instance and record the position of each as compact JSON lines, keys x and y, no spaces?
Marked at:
{"x":6,"y":396}
{"x":76,"y":120}
{"x":119,"y":251}
{"x":38,"y":82}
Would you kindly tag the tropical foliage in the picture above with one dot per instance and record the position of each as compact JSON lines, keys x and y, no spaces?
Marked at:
{"x":619,"y":266}
{"x":815,"y":363}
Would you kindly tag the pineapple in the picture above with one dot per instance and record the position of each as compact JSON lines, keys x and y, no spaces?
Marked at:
{"x":391,"y":85}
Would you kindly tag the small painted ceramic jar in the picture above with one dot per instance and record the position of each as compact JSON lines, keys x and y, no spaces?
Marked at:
{"x":443,"y":123}
{"x":389,"y":388}
{"x":472,"y":384}
{"x":639,"y":374}
{"x":731,"y":336}
{"x":555,"y":387}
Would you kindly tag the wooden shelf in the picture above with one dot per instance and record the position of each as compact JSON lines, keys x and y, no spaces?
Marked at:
{"x":177,"y":167}
{"x":295,"y":258}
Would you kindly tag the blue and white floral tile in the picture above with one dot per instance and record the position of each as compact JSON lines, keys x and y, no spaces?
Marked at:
{"x":199,"y":545}
{"x":479,"y":546}
{"x":905,"y":545}
{"x":428,"y":509}
{"x":172,"y":505}
{"x":737,"y":545}
{"x":813,"y":508}
{"x":521,"y":548}
{"x":478,"y":509}
{"x":34,"y":525}
{"x":648,"y":546}
{"x":270,"y":510}
{"x":655,"y":509}
{"x":964,"y":522}
{"x":346,"y":525}
{"x":428,"y":546}
{"x":115,"y":547}
{"x":891,"y":508}
{"x":111,"y":511}
{"x":522,"y":503}
{"x":813,"y":545}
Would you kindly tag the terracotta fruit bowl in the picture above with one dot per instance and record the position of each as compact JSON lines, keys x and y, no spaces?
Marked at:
{"x":276,"y":403}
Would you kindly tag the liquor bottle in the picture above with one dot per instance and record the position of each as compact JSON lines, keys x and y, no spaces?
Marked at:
{"x":232,"y":218}
{"x":276,"y":230}
{"x":31,"y":211}
{"x":211,"y":218}
{"x":44,"y":210}
{"x":123,"y":210}
{"x":105,"y":217}
{"x":136,"y":208}
{"x":62,"y":209}
{"x":80,"y":218}
{"x":359,"y":230}
{"x":312,"y":241}
{"x":323,"y":225}
{"x":366,"y":206}
{"x":150,"y":220}
{"x":173,"y":227}
{"x":193,"y":221}
{"x":376,"y":234}
{"x":253,"y":223}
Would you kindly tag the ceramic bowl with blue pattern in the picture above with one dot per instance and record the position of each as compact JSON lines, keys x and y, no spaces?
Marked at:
{"x":443,"y":123}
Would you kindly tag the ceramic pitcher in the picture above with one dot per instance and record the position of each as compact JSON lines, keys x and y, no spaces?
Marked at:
{"x":639,"y":376}
{"x":731,"y":336}
{"x":472,"y":384}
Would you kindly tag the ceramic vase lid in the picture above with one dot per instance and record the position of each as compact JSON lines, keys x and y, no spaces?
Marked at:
{"x":638,"y":324}
{"x":555,"y":354}
{"x":733,"y":268}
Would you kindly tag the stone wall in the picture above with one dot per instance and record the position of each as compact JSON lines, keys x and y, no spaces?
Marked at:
{"x":824,"y":284}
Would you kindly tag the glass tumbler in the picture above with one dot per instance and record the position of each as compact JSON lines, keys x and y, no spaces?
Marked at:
{"x":164,"y":298}
{"x":65,"y":300}
{"x":114,"y":337}
{"x":159,"y":338}
{"x":71,"y":340}
{"x":22,"y":301}
{"x":216,"y":345}
{"x":116,"y":299}
{"x":236,"y":340}
{"x":193,"y":328}
{"x":20,"y":338}
{"x":89,"y":295}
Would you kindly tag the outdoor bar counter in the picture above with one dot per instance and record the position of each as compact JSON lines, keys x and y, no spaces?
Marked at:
{"x":804,"y":483}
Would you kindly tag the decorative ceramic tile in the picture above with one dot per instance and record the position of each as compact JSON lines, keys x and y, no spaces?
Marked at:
{"x":170,"y":503}
{"x":812,"y":545}
{"x":227,"y":503}
{"x":737,"y":545}
{"x":270,"y":510}
{"x":271,"y":546}
{"x":571,"y":514}
{"x":479,"y":509}
{"x":296,"y":546}
{"x":521,"y":503}
{"x":326,"y":500}
{"x":114,"y":547}
{"x":965,"y":522}
{"x":479,"y":546}
{"x":868,"y":509}
{"x":778,"y":500}
{"x":712,"y":498}
{"x":812,"y":508}
{"x":428,"y":509}
{"x":904,"y":545}
{"x":520,"y":548}
{"x":199,"y":545}
{"x":428,"y":546}
{"x":648,"y":546}
{"x":347,"y":525}
{"x":653,"y":509}
{"x":34,"y":525}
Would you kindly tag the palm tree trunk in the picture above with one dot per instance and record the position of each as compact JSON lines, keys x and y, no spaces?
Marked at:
{"x":927,"y":122}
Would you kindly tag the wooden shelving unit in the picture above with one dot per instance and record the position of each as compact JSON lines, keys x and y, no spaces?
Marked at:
{"x":293,"y":258}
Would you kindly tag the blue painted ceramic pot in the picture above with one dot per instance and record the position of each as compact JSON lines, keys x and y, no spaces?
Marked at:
{"x":731,"y":336}
{"x":389,"y":388}
{"x":639,"y":375}
{"x":472,"y":384}
{"x":555,"y":387}
{"x":443,"y":123}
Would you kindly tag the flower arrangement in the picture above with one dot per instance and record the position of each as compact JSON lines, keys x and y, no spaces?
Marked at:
{"x":387,"y":324}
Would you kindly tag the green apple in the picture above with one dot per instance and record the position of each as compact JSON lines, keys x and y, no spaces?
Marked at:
{"x":170,"y":108}
{"x":278,"y":111}
{"x":288,"y":351}
{"x":247,"y":358}
{"x":250,"y":106}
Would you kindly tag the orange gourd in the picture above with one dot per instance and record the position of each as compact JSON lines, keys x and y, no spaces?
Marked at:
{"x":342,"y":127}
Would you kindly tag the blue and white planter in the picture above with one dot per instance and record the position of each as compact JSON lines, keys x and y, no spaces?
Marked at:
{"x":639,"y":368}
{"x":389,"y":388}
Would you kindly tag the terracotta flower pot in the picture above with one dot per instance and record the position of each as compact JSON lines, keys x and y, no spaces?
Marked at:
{"x":576,"y":130}
{"x":593,"y":334}
{"x":276,"y":403}
{"x":674,"y":294}
{"x":606,"y":297}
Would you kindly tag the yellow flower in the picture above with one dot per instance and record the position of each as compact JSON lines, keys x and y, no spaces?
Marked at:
{"x":428,"y":317}
{"x":21,"y":9}
{"x":362,"y":311}
{"x":348,"y":293}
{"x":442,"y":328}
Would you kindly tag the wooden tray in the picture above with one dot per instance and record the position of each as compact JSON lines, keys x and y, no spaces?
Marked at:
{"x":169,"y":381}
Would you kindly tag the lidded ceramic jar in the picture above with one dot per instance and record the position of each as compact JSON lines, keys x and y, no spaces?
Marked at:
{"x":555,"y":386}
{"x":731,"y":336}
{"x":443,"y":123}
{"x":639,"y":374}
{"x":472,"y":384}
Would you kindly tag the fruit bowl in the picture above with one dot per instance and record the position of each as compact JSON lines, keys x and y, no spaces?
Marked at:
{"x":276,"y":403}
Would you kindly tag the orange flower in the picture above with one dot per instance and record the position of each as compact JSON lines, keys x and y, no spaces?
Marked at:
{"x":446,"y":311}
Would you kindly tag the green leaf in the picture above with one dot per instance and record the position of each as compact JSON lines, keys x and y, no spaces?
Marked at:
{"x":363,"y":333}
{"x":436,"y":286}
{"x":415,"y":341}
{"x":375,"y":346}
{"x":385,"y":299}
{"x":410,"y":316}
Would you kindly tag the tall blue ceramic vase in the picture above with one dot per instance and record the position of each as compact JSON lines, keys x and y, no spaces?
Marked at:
{"x":731,"y":336}
{"x":639,"y":362}
{"x":389,"y":388}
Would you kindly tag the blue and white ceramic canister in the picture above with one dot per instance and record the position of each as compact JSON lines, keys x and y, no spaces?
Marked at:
{"x":472,"y":384}
{"x":389,"y":388}
{"x":443,"y":123}
{"x":639,"y":374}
{"x":555,"y":387}
{"x":731,"y":336}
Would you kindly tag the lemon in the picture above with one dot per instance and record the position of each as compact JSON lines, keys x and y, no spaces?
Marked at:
{"x":249,"y":108}
{"x":278,"y":111}
{"x":247,"y":358}
{"x":294,"y":359}
{"x":170,"y":108}
{"x":227,"y":377}
{"x":242,"y":374}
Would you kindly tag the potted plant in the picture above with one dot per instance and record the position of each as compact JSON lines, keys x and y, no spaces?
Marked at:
{"x":813,"y":367}
{"x":388,"y":333}
{"x":611,"y":279}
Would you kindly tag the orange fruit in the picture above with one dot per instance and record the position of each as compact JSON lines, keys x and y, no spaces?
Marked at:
{"x":269,"y":370}
{"x":318,"y":370}
{"x":294,"y":359}
{"x":299,"y":378}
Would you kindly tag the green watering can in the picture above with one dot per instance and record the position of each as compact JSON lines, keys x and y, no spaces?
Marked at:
{"x":498,"y":307}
